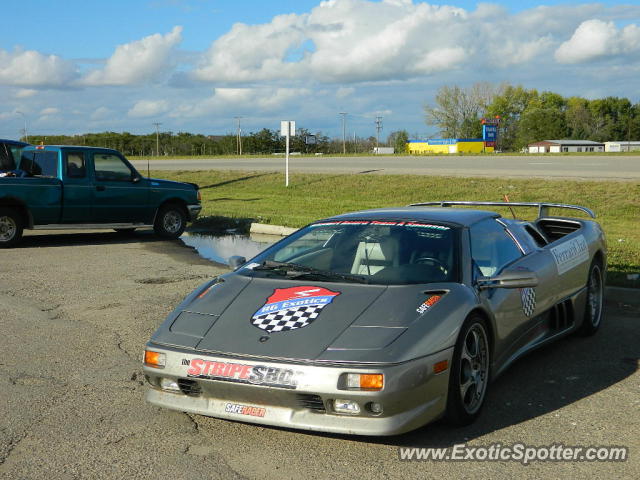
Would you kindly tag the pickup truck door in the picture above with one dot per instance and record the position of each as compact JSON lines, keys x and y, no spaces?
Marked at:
{"x":78,"y":191}
{"x":121,"y":195}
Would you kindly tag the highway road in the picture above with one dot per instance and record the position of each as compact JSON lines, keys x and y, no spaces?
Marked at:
{"x":589,"y":167}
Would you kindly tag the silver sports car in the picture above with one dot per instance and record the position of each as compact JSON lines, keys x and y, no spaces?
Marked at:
{"x":377,"y":322}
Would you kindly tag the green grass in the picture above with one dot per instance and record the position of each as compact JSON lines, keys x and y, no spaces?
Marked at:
{"x":262,"y":197}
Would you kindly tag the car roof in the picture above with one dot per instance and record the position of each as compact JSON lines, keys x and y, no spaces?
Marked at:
{"x":458,"y":216}
{"x":72,"y":147}
{"x":13,"y":142}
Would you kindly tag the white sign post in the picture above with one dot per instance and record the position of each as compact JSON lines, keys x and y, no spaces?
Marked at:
{"x":287,"y":129}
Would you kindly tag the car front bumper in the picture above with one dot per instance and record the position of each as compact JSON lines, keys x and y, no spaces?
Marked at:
{"x":194,"y":211}
{"x":301,"y":396}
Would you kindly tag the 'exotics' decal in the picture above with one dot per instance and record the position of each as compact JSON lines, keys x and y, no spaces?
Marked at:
{"x":428,"y":303}
{"x":382,"y":223}
{"x":292,"y":308}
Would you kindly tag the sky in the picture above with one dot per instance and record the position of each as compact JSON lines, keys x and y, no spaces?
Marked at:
{"x":78,"y":66}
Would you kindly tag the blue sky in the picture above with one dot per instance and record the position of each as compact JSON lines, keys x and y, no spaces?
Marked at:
{"x":77,"y":66}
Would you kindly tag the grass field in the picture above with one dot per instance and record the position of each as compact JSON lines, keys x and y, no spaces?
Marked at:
{"x":262,"y":197}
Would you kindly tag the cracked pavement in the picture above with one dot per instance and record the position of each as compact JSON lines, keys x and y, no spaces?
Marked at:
{"x":77,"y":309}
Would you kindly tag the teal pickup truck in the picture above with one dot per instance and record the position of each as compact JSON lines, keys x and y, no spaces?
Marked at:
{"x":65,"y":187}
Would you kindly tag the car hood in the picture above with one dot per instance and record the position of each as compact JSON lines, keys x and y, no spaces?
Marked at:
{"x":157,"y":182}
{"x":291,"y":319}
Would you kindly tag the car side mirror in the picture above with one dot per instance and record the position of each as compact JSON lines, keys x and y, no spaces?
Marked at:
{"x":236,"y":261}
{"x":510,"y":279}
{"x":135,"y":178}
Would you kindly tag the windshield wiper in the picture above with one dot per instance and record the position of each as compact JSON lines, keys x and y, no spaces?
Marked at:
{"x":294,"y":270}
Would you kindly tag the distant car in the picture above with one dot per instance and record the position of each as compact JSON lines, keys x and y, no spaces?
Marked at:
{"x":380,"y":321}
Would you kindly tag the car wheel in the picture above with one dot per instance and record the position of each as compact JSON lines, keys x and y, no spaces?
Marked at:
{"x":171,"y":221}
{"x":595,"y":301}
{"x":469,"y":377}
{"x":11,"y":227}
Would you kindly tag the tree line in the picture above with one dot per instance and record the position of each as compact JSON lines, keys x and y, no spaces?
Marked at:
{"x":527,"y":116}
{"x":263,"y":142}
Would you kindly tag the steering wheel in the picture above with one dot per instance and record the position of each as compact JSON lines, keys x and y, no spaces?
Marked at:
{"x":432,"y":261}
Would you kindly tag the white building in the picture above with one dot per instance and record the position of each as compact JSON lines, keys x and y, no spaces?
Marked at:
{"x":559,"y":146}
{"x":622,"y":146}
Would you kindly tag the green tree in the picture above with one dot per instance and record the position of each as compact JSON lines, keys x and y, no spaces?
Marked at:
{"x":538,"y":124}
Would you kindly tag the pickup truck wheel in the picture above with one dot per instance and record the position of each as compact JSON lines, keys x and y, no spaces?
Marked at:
{"x":11,"y":226}
{"x":171,"y":221}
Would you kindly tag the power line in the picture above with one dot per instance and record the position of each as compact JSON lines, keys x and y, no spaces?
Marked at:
{"x":378,"y":129}
{"x":157,"y":124}
{"x":239,"y":136}
{"x":344,"y":132}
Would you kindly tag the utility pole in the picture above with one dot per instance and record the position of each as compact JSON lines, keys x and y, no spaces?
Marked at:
{"x":239,"y":136}
{"x":344,"y":132}
{"x":378,"y":128}
{"x":24,"y":117}
{"x":157,"y":124}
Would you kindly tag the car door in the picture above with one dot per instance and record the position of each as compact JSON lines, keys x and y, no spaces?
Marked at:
{"x":493,"y":249}
{"x":78,"y":192}
{"x":121,"y":195}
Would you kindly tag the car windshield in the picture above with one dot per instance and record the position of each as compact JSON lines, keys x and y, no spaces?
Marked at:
{"x":363,"y":251}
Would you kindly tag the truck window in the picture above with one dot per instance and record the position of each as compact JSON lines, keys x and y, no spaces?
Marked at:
{"x":43,"y":163}
{"x":111,"y":168}
{"x":75,"y":166}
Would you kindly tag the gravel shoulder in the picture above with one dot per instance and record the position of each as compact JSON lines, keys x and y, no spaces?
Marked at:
{"x":77,"y":309}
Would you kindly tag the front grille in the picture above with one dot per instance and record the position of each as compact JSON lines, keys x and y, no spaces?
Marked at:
{"x":312,"y":402}
{"x":189,"y":387}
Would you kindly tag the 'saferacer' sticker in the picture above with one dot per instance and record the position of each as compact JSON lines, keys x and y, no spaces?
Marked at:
{"x":245,"y":410}
{"x":570,"y":254}
{"x":240,"y":373}
{"x":292,"y":308}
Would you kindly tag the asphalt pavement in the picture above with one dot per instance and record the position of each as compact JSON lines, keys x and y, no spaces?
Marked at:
{"x":586,"y":167}
{"x":77,"y":308}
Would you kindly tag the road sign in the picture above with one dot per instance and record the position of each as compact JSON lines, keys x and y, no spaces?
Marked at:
{"x":287,"y":129}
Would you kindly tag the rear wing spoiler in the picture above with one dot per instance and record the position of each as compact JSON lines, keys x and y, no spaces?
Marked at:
{"x":543,"y":208}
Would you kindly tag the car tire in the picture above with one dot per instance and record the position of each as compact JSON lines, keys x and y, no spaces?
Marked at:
{"x":470,"y":372}
{"x":595,"y":301}
{"x":11,"y":227}
{"x":170,"y":221}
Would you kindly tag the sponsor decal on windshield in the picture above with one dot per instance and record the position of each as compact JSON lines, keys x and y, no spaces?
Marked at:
{"x":385,"y":223}
{"x":292,"y":308}
{"x":241,"y":373}
{"x":570,"y":254}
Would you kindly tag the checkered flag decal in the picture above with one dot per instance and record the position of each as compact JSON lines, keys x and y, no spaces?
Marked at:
{"x":284,"y":320}
{"x":528,"y":297}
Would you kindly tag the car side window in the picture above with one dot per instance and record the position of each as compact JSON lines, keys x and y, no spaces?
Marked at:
{"x":75,"y":165}
{"x":492,"y":248}
{"x":109,"y":167}
{"x":40,"y":163}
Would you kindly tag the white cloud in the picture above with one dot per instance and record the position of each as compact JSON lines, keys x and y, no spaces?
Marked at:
{"x":148,"y":108}
{"x":594,"y":39}
{"x":28,"y":68}
{"x":102,"y":113}
{"x":344,"y":92}
{"x":139,"y":61}
{"x":351,"y":41}
{"x":26,"y":93}
{"x":49,"y":111}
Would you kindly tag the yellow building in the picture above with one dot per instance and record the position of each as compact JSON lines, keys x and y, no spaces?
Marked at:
{"x":449,"y":145}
